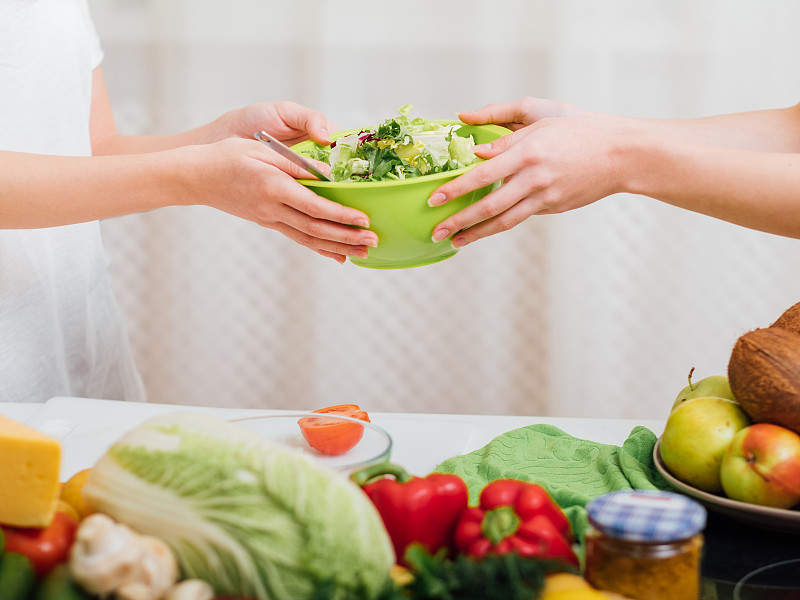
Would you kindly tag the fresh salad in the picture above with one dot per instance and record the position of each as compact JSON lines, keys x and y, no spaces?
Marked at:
{"x":398,"y":148}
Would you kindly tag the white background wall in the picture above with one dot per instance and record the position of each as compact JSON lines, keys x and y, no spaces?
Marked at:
{"x":598,"y":312}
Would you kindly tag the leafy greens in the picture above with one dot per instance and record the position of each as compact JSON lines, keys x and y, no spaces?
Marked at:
{"x":398,"y":148}
{"x":436,"y":577}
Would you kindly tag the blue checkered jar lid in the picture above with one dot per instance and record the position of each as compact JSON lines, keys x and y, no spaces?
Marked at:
{"x":646,"y":516}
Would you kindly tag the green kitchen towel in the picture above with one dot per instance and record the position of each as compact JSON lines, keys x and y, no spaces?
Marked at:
{"x":572,"y":470}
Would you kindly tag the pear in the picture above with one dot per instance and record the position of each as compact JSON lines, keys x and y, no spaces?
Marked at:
{"x":695,"y":439}
{"x":714,"y":386}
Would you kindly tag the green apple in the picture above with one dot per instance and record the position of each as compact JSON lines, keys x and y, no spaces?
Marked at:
{"x":762,"y":466}
{"x":716,"y":386}
{"x":696,"y":436}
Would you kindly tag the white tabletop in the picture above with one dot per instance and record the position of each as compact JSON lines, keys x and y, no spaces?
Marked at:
{"x":18,"y":411}
{"x":86,"y":428}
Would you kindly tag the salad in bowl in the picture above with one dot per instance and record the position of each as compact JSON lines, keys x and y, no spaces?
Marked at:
{"x":398,"y":148}
{"x":389,"y":171}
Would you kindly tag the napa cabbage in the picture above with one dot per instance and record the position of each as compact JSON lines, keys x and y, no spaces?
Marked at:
{"x":249,"y":516}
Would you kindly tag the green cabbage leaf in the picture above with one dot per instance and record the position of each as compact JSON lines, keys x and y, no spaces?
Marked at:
{"x":247,"y":515}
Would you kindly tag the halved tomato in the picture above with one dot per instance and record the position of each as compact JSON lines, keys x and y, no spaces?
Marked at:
{"x":334,"y":436}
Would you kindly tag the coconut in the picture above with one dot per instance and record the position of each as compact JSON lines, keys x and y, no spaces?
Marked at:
{"x":764,"y":373}
{"x":790,"y":319}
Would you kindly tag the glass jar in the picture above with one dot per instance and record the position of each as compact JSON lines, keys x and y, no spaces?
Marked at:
{"x":645,"y":545}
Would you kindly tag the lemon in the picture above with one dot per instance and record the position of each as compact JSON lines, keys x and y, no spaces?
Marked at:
{"x":401,"y":575}
{"x":568,"y":586}
{"x":72,"y":492}
{"x":576,"y":594}
{"x":564,"y":581}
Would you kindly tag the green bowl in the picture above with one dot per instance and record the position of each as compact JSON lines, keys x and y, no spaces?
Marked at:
{"x":398,"y":210}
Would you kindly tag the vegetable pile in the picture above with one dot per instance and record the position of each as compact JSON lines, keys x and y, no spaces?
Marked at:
{"x":398,"y":148}
{"x":189,"y":507}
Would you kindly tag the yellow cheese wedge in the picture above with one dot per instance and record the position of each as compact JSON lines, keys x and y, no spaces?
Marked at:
{"x":29,"y":471}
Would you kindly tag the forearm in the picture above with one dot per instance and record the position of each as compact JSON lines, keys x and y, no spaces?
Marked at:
{"x":776,"y":130}
{"x":115,"y":144}
{"x":44,"y":191}
{"x":759,"y":190}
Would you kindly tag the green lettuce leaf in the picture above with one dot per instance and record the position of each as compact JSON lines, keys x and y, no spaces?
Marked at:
{"x":398,"y":148}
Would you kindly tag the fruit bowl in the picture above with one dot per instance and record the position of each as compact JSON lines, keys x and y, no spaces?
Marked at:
{"x":370,"y":444}
{"x":398,"y":209}
{"x":766,"y":517}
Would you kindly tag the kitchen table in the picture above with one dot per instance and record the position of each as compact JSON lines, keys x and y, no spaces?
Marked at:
{"x":86,"y":427}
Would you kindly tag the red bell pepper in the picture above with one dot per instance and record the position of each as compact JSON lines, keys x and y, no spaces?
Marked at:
{"x":515,"y":516}
{"x":421,"y":510}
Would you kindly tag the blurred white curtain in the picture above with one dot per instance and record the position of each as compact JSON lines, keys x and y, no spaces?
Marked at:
{"x":598,"y":312}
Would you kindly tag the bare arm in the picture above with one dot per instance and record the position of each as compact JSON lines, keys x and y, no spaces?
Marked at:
{"x":106,"y":139}
{"x":776,"y":130}
{"x":742,"y":168}
{"x":207,"y":165}
{"x":287,"y":121}
{"x":758,"y":190}
{"x":45,"y":191}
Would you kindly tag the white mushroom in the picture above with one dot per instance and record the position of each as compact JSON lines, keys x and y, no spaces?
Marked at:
{"x":104,"y":554}
{"x":158,"y":571}
{"x":110,"y":558}
{"x":190,"y":589}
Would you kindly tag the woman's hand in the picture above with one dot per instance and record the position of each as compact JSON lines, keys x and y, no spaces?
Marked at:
{"x":209,"y":165}
{"x":266,"y":191}
{"x":557,"y":159}
{"x":249,"y":180}
{"x":519,"y":114}
{"x":288,"y":121}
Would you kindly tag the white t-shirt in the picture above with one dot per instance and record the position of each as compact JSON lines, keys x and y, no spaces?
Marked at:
{"x":61,"y":331}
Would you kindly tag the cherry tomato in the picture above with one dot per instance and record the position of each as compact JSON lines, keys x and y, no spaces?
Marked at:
{"x":333,"y":436}
{"x":45,"y":547}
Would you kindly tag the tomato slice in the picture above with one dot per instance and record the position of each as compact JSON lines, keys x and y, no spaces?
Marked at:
{"x":332,"y":436}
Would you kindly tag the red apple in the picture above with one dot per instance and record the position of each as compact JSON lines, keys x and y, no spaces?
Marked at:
{"x":762,"y":466}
